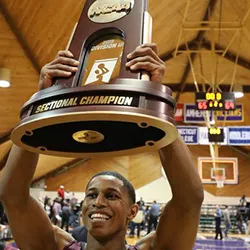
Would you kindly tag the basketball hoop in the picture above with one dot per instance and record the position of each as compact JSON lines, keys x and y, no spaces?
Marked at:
{"x":220,"y":179}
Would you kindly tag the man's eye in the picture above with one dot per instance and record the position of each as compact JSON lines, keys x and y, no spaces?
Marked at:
{"x":92,"y":195}
{"x":112,"y":196}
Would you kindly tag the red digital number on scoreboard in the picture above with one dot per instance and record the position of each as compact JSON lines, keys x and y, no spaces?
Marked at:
{"x":202,"y":105}
{"x":229,"y":105}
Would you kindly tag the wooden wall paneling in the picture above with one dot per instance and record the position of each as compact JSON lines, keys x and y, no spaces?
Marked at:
{"x":139,"y":169}
{"x":77,"y":178}
{"x":47,"y":25}
{"x":48,"y":163}
{"x":22,"y":72}
{"x":144,"y":168}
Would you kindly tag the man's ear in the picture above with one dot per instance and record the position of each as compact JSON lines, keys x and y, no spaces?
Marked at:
{"x":133,"y":211}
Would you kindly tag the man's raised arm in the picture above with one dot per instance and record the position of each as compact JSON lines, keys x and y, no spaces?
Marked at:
{"x":179,"y":221}
{"x":29,"y":223}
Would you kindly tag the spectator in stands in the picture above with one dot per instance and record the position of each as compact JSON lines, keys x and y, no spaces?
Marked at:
{"x":137,"y":221}
{"x":45,"y":202}
{"x":243,"y":201}
{"x":218,"y":216}
{"x":248,"y":221}
{"x":48,"y":206}
{"x":141,"y":203}
{"x":73,"y":201}
{"x":57,"y":210}
{"x":67,"y":195}
{"x":65,"y":216}
{"x":227,"y":220}
{"x":239,"y":221}
{"x":60,"y":192}
{"x":153,"y":216}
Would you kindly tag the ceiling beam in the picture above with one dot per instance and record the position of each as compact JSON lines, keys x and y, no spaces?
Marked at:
{"x":170,"y":54}
{"x":198,"y":40}
{"x":190,"y":87}
{"x":14,"y":28}
{"x":232,"y":57}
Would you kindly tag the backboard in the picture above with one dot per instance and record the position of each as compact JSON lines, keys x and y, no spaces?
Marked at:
{"x":208,"y":169}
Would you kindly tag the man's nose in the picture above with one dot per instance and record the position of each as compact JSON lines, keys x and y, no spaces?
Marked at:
{"x":100,"y":201}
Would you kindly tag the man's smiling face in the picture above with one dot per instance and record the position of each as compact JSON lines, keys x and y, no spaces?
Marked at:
{"x":106,"y":207}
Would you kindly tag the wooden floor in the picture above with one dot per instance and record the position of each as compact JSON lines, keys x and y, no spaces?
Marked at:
{"x":133,"y":241}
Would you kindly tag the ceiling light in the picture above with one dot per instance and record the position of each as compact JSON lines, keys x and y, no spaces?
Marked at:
{"x":4,"y":78}
{"x":238,"y":91}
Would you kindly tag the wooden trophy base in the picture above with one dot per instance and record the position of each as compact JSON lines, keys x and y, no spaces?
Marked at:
{"x":127,"y":117}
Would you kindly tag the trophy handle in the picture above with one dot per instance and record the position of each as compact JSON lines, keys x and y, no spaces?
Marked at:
{"x":147,"y":37}
{"x":71,"y":36}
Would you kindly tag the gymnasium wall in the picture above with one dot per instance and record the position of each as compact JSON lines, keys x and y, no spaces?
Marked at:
{"x":139,"y":170}
{"x":149,"y":193}
{"x":145,"y":168}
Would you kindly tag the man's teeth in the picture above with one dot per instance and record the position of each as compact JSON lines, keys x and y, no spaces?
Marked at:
{"x":99,"y":217}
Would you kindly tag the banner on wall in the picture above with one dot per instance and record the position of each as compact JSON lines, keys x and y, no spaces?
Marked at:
{"x":236,"y":115}
{"x":192,"y":115}
{"x":239,"y":136}
{"x":178,"y":117}
{"x":203,"y":136}
{"x":189,"y":134}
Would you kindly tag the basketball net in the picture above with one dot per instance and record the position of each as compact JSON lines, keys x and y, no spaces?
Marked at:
{"x":220,"y":179}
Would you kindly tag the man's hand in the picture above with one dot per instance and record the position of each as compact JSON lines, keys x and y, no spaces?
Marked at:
{"x":145,"y":58}
{"x":63,"y":66}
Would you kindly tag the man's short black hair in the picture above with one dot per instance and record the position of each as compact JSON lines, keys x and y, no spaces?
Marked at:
{"x":127,"y":185}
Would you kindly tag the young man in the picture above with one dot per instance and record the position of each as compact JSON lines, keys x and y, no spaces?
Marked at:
{"x":218,"y":216}
{"x":227,"y":220}
{"x":109,"y":204}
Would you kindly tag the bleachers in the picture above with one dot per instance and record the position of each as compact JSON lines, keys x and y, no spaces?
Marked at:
{"x":207,"y":219}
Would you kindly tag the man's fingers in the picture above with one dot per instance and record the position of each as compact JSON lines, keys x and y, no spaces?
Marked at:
{"x":147,"y":66}
{"x":65,"y":53}
{"x":66,"y":61}
{"x":153,"y":46}
{"x":57,"y":73}
{"x":140,"y":52}
{"x":142,"y":59}
{"x":63,"y":68}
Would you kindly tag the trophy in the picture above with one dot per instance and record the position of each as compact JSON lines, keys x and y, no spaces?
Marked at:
{"x":104,"y":108}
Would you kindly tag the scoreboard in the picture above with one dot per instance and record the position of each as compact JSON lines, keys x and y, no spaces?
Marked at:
{"x":215,"y":101}
{"x":215,"y":134}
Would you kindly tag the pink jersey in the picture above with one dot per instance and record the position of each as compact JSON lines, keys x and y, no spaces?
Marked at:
{"x":81,"y":246}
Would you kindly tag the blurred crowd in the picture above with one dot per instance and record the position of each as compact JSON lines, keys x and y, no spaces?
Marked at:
{"x":242,"y":219}
{"x":65,"y":210}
